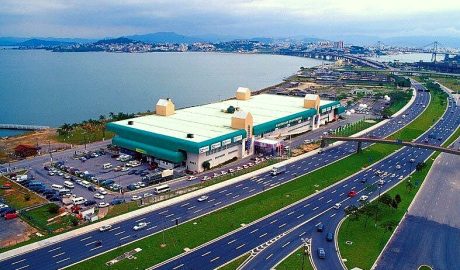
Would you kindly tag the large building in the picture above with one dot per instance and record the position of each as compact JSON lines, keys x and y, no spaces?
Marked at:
{"x":208,"y":135}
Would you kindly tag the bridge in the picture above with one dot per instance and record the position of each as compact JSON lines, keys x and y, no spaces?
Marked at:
{"x":326,"y":139}
{"x":22,"y":127}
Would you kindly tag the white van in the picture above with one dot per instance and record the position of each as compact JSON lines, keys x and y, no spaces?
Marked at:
{"x":107,"y":166}
{"x":68,"y":184}
{"x":56,"y":187}
{"x":78,"y":200}
{"x":161,"y":189}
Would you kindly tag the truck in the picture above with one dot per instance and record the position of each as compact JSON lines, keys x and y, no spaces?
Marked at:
{"x":277,"y":169}
{"x":158,"y":177}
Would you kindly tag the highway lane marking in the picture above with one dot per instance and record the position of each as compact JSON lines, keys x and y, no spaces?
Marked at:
{"x":234,"y":240}
{"x":51,"y":250}
{"x":113,"y":229}
{"x":240,"y":246}
{"x":291,"y":213}
{"x":118,"y":233}
{"x":151,"y":228}
{"x":320,"y":198}
{"x":342,"y":193}
{"x":163,"y":212}
{"x":239,"y":185}
{"x":68,"y":258}
{"x":334,"y":191}
{"x":269,"y":256}
{"x":179,"y":266}
{"x":197,"y":211}
{"x":205,"y":254}
{"x":215,"y":259}
{"x":253,"y":231}
{"x":22,"y":267}
{"x":170,"y":215}
{"x":90,"y":243}
{"x":252,"y":190}
{"x":329,"y":201}
{"x":262,"y":235}
{"x":185,"y":204}
{"x":345,"y":185}
{"x":273,"y":221}
{"x":285,"y":244}
{"x":228,"y":194}
{"x":353,"y":187}
{"x":59,"y":254}
{"x":125,"y":237}
{"x":18,"y":262}
{"x":191,"y":207}
{"x":222,"y":191}
{"x":317,"y":224}
{"x":300,"y":216}
{"x":217,"y":203}
{"x":300,"y":235}
{"x":95,"y":248}
{"x":139,"y":220}
{"x":245,"y":187}
{"x":305,"y":206}
{"x":236,"y":196}
{"x":315,"y":208}
{"x":332,"y":215}
{"x":86,"y":238}
{"x":282,"y":225}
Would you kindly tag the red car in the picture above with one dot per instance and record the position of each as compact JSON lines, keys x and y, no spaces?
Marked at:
{"x":11,"y":216}
{"x":352,"y":193}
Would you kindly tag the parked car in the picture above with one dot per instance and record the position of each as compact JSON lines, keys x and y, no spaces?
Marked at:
{"x":98,"y":196}
{"x":116,"y":201}
{"x":89,"y":203}
{"x":102,"y":204}
{"x":136,"y":198}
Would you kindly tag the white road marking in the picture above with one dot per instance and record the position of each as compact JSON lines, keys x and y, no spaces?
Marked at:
{"x":253,"y":231}
{"x":315,"y":208}
{"x":59,"y":254}
{"x":118,"y":233}
{"x":22,"y":267}
{"x":139,"y":220}
{"x":291,"y":213}
{"x":268,"y":257}
{"x":161,"y":213}
{"x":240,"y":246}
{"x":262,"y":235}
{"x":300,"y":235}
{"x":179,"y":266}
{"x":197,"y":211}
{"x":113,"y":229}
{"x":191,"y":207}
{"x":252,"y":190}
{"x":273,"y":221}
{"x":207,"y":253}
{"x":236,"y":196}
{"x":282,"y":225}
{"x":320,"y":198}
{"x":68,"y":258}
{"x":306,"y":205}
{"x":300,"y":216}
{"x":170,"y":215}
{"x":234,"y":240}
{"x":151,"y":228}
{"x":334,"y":191}
{"x":86,"y":238}
{"x":19,"y":261}
{"x":215,"y":259}
{"x":329,"y":201}
{"x":185,"y":204}
{"x":95,"y":248}
{"x":318,"y":224}
{"x":222,"y":191}
{"x":90,"y":243}
{"x":125,"y":237}
{"x":51,"y":250}
{"x":285,"y":244}
{"x":332,"y":215}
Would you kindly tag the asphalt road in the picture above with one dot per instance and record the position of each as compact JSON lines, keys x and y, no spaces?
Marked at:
{"x":430,"y":232}
{"x":83,"y":246}
{"x":301,"y":216}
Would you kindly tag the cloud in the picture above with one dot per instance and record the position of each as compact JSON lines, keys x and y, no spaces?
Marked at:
{"x":100,"y":18}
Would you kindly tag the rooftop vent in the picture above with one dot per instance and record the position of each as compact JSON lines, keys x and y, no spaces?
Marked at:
{"x":190,"y":135}
{"x":130,"y":122}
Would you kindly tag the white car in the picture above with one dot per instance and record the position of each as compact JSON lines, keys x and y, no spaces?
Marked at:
{"x":337,"y":205}
{"x":98,"y":196}
{"x":136,"y":198}
{"x":381,"y":182}
{"x":398,"y":166}
{"x":231,"y":170}
{"x":124,"y":169}
{"x":102,"y":204}
{"x":191,"y":178}
{"x":205,"y":178}
{"x":307,"y":141}
{"x":105,"y":228}
{"x":102,"y":191}
{"x":146,"y":195}
{"x":401,"y":177}
{"x":363,"y":198}
{"x":412,"y":160}
{"x":140,"y":226}
{"x":203,"y":198}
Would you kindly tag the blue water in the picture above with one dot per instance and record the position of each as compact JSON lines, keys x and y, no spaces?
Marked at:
{"x":9,"y":133}
{"x":45,"y":88}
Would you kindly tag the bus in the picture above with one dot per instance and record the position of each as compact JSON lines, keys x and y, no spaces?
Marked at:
{"x":161,"y":189}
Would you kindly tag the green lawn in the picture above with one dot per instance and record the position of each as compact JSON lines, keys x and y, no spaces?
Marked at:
{"x":19,"y":197}
{"x":295,"y":262}
{"x":234,"y":265}
{"x":353,"y":129}
{"x":399,"y":100}
{"x":38,"y":218}
{"x":79,"y":135}
{"x":452,"y":83}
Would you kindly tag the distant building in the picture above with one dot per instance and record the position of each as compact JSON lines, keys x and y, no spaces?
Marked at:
{"x":24,"y":150}
{"x":338,"y":44}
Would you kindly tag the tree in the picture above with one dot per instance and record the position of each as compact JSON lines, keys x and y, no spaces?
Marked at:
{"x":27,"y":197}
{"x":394,"y":204}
{"x":101,"y":117}
{"x":74,"y":220}
{"x":53,"y":208}
{"x":398,"y":198}
{"x":206,"y":165}
{"x":409,"y":185}
{"x":385,"y":199}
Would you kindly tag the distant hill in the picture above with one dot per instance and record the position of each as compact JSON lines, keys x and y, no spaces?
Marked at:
{"x":120,"y":40}
{"x":165,"y":37}
{"x":43,"y":43}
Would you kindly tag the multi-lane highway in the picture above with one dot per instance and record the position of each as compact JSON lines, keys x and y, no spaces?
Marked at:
{"x":432,"y":224}
{"x":302,"y":217}
{"x":84,"y":246}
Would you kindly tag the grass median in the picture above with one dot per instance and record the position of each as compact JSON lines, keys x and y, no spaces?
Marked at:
{"x":194,"y":233}
{"x":235,"y":264}
{"x":296,"y":260}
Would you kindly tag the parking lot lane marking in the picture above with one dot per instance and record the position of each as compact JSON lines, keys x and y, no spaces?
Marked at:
{"x":345,"y":185}
{"x":205,"y":254}
{"x":59,"y":254}
{"x":125,"y":237}
{"x":268,"y":257}
{"x":240,"y":246}
{"x":253,"y":231}
{"x":90,"y":243}
{"x":332,"y":215}
{"x":300,"y":216}
{"x":185,"y":204}
{"x":116,"y":228}
{"x":191,"y":207}
{"x":285,"y":244}
{"x":18,"y":262}
{"x":215,"y":259}
{"x":22,"y":267}
{"x":179,"y":266}
{"x":163,"y":212}
{"x":170,"y":215}
{"x":321,"y":198}
{"x":139,"y":220}
{"x":315,"y":208}
{"x":68,"y":258}
{"x":151,"y":228}
{"x":353,"y":187}
{"x":282,"y":225}
{"x":228,"y":194}
{"x":86,"y":238}
{"x":54,"y":249}
{"x":95,"y":248}
{"x":118,"y":233}
{"x":262,"y":235}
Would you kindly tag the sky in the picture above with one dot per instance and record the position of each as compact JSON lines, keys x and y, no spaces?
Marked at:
{"x":256,"y":18}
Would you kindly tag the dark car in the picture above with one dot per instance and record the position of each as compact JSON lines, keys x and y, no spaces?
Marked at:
{"x":132,"y":172}
{"x":321,"y":253}
{"x":144,"y":174}
{"x":50,"y":195}
{"x":90,"y":202}
{"x":55,"y":198}
{"x":330,"y":236}
{"x":320,"y":227}
{"x":91,"y":188}
{"x":364,"y":180}
{"x":117,"y":201}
